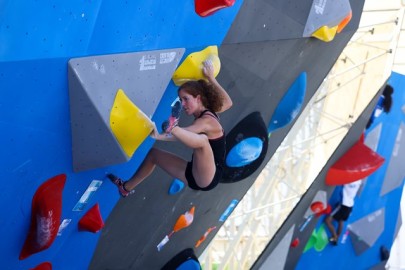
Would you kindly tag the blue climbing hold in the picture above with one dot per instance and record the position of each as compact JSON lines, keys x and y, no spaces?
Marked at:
{"x":176,"y":186}
{"x":189,"y":265}
{"x":290,"y":105}
{"x":245,"y":152}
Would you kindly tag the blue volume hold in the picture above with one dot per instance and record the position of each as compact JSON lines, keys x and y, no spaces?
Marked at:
{"x":245,"y":152}
{"x":290,"y":105}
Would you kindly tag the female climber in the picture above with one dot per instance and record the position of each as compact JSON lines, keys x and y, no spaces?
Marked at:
{"x":205,"y":136}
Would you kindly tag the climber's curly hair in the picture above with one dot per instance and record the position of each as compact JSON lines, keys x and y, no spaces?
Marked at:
{"x":210,"y":98}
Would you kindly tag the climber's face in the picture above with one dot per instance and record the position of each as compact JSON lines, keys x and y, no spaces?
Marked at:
{"x":191,"y":105}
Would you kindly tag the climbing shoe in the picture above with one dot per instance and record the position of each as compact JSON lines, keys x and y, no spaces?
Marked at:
{"x":120,"y":185}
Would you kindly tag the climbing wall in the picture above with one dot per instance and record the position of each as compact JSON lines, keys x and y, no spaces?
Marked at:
{"x":257,"y":77}
{"x":62,"y":68}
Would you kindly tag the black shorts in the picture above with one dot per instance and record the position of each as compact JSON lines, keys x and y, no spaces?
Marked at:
{"x":193,"y":184}
{"x":341,"y":212}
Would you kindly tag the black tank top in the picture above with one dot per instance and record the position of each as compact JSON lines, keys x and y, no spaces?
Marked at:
{"x":218,"y":145}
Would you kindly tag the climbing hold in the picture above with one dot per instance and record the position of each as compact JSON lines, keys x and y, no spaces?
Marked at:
{"x":93,"y":83}
{"x":245,"y":152}
{"x":321,"y":239}
{"x":318,"y":240}
{"x":191,"y":68}
{"x":128,"y":123}
{"x":202,"y":239}
{"x":325,"y":33}
{"x":229,"y":210}
{"x":252,"y":126}
{"x":358,"y":162}
{"x":184,"y":260}
{"x":184,"y":220}
{"x":344,"y":22}
{"x":295,"y":242}
{"x":290,"y":105}
{"x":46,"y":212}
{"x":317,"y":207}
{"x":43,"y":266}
{"x":208,"y":7}
{"x":325,"y":211}
{"x":92,"y":220}
{"x":176,"y":186}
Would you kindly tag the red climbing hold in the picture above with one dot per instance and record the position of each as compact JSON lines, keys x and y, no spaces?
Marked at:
{"x":43,"y":266}
{"x":325,"y":211}
{"x":295,"y":243}
{"x":317,"y":207}
{"x":92,"y":220}
{"x":208,"y":7}
{"x":358,"y":162}
{"x":46,"y":211}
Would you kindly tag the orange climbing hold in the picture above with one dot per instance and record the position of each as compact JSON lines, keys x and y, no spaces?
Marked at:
{"x":208,"y":7}
{"x":344,"y":22}
{"x":184,"y":220}
{"x":92,"y":220}
{"x":202,"y":239}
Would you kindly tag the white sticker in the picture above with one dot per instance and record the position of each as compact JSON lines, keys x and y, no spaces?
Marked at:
{"x":147,"y":62}
{"x":320,"y":6}
{"x":167,"y":57}
{"x":63,"y":225}
{"x":162,"y":243}
{"x":92,"y":188}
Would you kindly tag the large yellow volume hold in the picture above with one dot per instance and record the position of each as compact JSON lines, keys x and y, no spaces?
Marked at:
{"x":191,"y":68}
{"x":128,"y":123}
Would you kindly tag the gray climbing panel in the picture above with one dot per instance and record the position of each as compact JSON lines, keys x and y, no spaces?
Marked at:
{"x":379,"y":266}
{"x":326,"y":13}
{"x":276,"y":260}
{"x":373,"y":137}
{"x":396,"y":170}
{"x":270,"y":20}
{"x":93,"y":84}
{"x":284,"y":19}
{"x":365,"y":231}
{"x":371,"y":141}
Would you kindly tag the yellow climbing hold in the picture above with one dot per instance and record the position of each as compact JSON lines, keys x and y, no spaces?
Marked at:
{"x":325,"y":33}
{"x":191,"y":68}
{"x":128,"y":123}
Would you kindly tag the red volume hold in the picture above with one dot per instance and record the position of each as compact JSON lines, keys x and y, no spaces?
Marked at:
{"x":92,"y":220}
{"x":46,"y":211}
